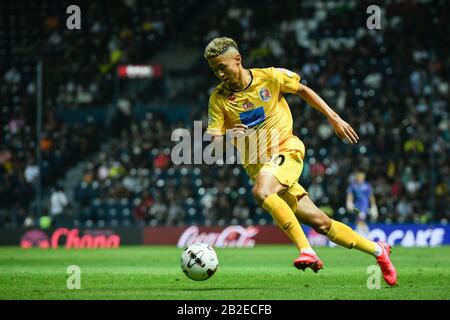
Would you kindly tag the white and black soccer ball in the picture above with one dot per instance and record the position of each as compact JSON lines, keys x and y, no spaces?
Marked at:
{"x":199,"y":261}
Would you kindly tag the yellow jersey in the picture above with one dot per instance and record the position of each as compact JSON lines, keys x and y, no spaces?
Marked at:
{"x":262,"y":107}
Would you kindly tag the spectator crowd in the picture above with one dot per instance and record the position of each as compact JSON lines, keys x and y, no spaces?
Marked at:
{"x":390,"y":84}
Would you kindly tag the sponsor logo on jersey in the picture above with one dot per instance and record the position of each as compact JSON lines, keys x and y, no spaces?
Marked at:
{"x":253,"y":117}
{"x":247,"y":104}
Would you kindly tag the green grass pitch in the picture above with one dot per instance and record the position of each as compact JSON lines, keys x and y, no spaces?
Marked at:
{"x":263,"y":272}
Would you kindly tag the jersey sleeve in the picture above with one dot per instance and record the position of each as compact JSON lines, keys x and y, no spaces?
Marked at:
{"x":287,"y":80}
{"x":216,"y":118}
{"x":370,"y":190}
{"x":350,"y":189}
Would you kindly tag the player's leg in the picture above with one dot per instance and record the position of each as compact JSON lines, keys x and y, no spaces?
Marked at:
{"x":265,"y":191}
{"x":307,"y":212}
{"x":341,"y":234}
{"x":361,"y":225}
{"x":274,"y":189}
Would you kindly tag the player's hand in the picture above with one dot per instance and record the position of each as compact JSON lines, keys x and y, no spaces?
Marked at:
{"x":350,"y":206}
{"x":344,"y":131}
{"x":239,"y":130}
{"x":374,"y":212}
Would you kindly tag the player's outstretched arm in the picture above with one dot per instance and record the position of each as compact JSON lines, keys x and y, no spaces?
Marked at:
{"x":344,"y":131}
{"x":373,"y":207}
{"x":349,"y":203}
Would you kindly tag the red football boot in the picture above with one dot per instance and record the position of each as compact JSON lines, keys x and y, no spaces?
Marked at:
{"x":308,"y":260}
{"x":386,"y":266}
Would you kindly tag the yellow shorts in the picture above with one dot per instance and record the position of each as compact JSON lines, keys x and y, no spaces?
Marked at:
{"x":286,"y":167}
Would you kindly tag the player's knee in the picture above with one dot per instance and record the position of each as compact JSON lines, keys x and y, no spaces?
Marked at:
{"x":322,"y":224}
{"x":260,"y":193}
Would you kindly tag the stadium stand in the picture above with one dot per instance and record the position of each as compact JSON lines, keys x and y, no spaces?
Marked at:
{"x":393,"y":89}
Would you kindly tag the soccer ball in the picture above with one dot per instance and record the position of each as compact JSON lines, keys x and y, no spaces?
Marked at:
{"x":199,"y":261}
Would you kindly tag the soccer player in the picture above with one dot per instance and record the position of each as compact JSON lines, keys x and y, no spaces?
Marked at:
{"x":360,"y":199}
{"x":253,"y":99}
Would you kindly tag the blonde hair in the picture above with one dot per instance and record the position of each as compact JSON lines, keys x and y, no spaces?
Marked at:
{"x":218,"y":46}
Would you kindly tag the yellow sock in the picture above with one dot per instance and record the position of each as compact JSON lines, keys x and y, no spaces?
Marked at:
{"x":343,"y":235}
{"x":286,"y":220}
{"x":290,"y":199}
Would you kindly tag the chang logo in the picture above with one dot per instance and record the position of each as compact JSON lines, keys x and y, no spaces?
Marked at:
{"x":34,"y":238}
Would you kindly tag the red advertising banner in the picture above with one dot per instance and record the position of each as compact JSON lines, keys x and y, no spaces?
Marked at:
{"x":229,"y":236}
{"x":407,"y":235}
{"x":70,"y":238}
{"x":139,"y":71}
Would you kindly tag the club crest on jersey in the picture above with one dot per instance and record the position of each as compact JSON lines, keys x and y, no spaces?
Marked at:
{"x":264,"y":94}
{"x":231,"y":96}
{"x":247,"y":105}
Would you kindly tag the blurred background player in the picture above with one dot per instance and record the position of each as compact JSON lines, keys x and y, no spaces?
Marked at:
{"x":58,"y":204}
{"x":361,"y":200}
{"x":254,"y":99}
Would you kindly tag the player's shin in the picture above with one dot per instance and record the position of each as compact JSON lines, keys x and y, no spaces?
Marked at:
{"x":343,"y":235}
{"x":286,"y":220}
